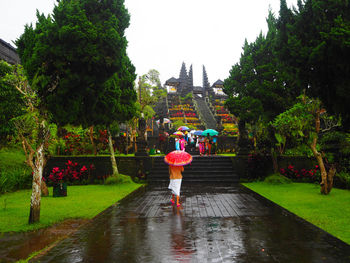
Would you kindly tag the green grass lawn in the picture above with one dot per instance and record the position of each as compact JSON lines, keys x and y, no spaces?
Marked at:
{"x":329,"y":212}
{"x":227,"y":154}
{"x":82,"y":202}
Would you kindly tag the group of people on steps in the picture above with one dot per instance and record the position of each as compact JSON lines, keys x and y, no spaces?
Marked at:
{"x":205,"y":144}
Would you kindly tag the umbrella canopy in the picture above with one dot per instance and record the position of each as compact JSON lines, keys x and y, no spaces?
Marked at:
{"x":183,"y":128}
{"x":198,"y":133}
{"x":178,"y":133}
{"x":178,"y":158}
{"x":165,"y":120}
{"x":192,"y":131}
{"x":210,"y":132}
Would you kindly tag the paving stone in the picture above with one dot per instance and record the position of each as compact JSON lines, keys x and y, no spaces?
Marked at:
{"x":214,"y":224}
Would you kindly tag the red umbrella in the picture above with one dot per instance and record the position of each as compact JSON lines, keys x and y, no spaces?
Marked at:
{"x":178,"y":158}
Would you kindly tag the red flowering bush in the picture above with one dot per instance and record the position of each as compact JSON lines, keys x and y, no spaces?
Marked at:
{"x":309,"y":175}
{"x":74,"y":142}
{"x":102,"y":140}
{"x":176,"y":114}
{"x":226,"y":118}
{"x":77,"y":141}
{"x":190,"y":114}
{"x":72,"y":173}
{"x":221,"y":111}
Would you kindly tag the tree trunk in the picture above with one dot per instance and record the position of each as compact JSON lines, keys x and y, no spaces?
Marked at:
{"x":127,"y":140}
{"x":44,"y":189}
{"x":34,"y":215}
{"x":327,"y":178}
{"x":111,"y":149}
{"x":91,"y":134}
{"x":324,"y":183}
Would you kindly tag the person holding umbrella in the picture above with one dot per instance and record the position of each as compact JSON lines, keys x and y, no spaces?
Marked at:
{"x":176,"y":161}
{"x":177,"y":139}
{"x":177,"y":143}
{"x":208,"y":143}
{"x":201,"y":143}
{"x":183,"y":144}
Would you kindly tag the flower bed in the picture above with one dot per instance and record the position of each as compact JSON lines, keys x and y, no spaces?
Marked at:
{"x":176,"y":114}
{"x":190,"y":114}
{"x":230,"y":129}
{"x":177,"y":118}
{"x":305,"y":175}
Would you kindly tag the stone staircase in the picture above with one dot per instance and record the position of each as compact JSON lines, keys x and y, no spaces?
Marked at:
{"x":216,"y":169}
{"x":205,"y":113}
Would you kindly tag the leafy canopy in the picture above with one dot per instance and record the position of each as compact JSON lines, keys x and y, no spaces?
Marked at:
{"x":76,"y":60}
{"x":11,"y":101}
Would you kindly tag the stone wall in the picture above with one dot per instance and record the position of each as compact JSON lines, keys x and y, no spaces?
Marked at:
{"x":133,"y":165}
{"x":251,"y":169}
{"x":126,"y":165}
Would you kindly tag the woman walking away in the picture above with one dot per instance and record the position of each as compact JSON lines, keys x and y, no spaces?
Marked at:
{"x":176,"y":160}
{"x":175,"y":174}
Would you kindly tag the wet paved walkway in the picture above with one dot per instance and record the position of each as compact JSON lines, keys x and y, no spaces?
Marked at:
{"x":215,"y":224}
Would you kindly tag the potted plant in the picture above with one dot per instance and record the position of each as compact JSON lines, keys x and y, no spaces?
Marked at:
{"x":60,"y":177}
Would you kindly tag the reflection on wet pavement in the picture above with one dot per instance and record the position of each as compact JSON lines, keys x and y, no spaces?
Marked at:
{"x":214,"y":224}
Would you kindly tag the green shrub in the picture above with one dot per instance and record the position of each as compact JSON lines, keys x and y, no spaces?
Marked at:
{"x":344,"y":179}
{"x":336,"y":146}
{"x":14,"y":173}
{"x":300,"y":150}
{"x":15,"y":179}
{"x":111,"y":180}
{"x":277,"y":179}
{"x":120,"y":179}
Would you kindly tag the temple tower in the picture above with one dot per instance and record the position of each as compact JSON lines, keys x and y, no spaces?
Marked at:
{"x":206,"y":85}
{"x":190,"y":78}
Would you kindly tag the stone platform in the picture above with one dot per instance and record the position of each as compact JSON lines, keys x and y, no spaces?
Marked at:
{"x":216,"y":223}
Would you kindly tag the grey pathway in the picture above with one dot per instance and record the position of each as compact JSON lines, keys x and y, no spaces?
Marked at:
{"x":206,"y":114}
{"x":215,"y":224}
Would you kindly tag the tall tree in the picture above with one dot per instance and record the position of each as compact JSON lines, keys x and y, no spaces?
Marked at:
{"x":303,"y":121}
{"x":151,"y":89}
{"x":76,"y":61}
{"x":257,"y":86}
{"x":314,"y":45}
{"x":11,"y":102}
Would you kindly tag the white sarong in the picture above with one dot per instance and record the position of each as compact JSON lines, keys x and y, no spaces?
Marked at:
{"x":175,"y":185}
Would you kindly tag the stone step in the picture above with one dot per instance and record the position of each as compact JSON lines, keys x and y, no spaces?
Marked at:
{"x":202,"y":169}
{"x":197,"y":171}
{"x":200,"y":159}
{"x":199,"y":180}
{"x":205,"y":112}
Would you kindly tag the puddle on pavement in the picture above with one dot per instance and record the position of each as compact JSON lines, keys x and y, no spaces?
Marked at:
{"x":16,"y":246}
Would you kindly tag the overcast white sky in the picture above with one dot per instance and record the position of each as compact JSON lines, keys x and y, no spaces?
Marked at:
{"x":164,"y":33}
